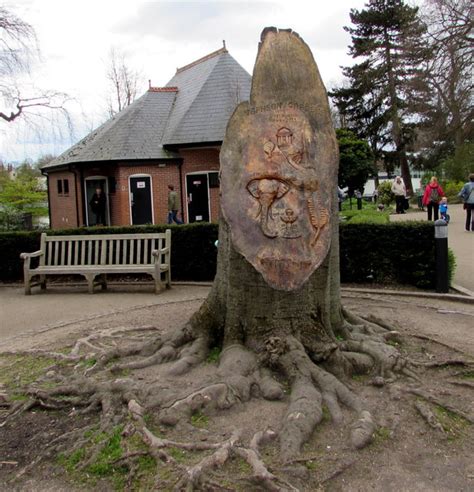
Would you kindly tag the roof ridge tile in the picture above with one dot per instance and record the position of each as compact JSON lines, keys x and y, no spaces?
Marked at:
{"x":218,"y":52}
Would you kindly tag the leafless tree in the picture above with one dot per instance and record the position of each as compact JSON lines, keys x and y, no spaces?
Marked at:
{"x":18,"y":51}
{"x":123,"y":82}
{"x":448,"y":74}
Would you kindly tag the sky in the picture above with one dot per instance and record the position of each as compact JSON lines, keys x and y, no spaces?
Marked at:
{"x":156,"y":37}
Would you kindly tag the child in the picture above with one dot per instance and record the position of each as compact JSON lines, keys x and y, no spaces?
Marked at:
{"x":443,"y":209}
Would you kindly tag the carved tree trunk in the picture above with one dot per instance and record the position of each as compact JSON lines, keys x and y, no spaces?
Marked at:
{"x":278,"y":260}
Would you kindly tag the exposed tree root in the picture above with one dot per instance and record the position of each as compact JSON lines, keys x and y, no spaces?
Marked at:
{"x":315,"y":379}
{"x":428,"y":416}
{"x":436,"y":401}
{"x":431,"y":339}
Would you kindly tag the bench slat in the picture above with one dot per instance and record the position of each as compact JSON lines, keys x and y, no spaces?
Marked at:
{"x":139,"y":251}
{"x":49,"y":249}
{"x":69,"y":253}
{"x":117,"y":252}
{"x":103,"y":252}
{"x":83,"y":252}
{"x":96,"y":251}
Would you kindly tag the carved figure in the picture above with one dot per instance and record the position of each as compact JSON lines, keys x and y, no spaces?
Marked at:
{"x":266,"y":190}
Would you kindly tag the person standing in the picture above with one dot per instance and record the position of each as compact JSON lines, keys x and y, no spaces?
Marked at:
{"x":173,"y":206}
{"x":399,"y":190}
{"x":358,"y":196}
{"x":98,"y":205}
{"x":431,"y":197}
{"x":467,"y":196}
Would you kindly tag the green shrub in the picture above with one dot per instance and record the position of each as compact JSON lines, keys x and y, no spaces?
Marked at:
{"x":400,"y":253}
{"x":193,"y":253}
{"x":451,"y":190}
{"x":451,"y":265}
{"x":385,"y":193}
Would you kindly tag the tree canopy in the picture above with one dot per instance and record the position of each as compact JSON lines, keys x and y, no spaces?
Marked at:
{"x":355,"y":161}
{"x":386,"y":39}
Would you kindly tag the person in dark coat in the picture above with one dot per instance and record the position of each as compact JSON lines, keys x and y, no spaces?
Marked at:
{"x":98,"y":205}
{"x":173,"y":206}
{"x":467,"y":196}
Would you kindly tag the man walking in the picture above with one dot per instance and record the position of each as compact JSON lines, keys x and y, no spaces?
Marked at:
{"x":399,"y":190}
{"x":173,"y":206}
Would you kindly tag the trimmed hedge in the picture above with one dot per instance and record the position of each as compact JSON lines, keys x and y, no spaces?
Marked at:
{"x":193,"y":253}
{"x":400,"y":253}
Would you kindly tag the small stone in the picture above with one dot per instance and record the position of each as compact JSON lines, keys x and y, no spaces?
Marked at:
{"x":4,"y":400}
{"x":51,"y":374}
{"x":378,"y":381}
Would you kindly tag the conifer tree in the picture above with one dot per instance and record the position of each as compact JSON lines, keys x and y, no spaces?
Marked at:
{"x":377,"y":104}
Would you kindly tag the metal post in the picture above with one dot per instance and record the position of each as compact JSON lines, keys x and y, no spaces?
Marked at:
{"x":441,"y":254}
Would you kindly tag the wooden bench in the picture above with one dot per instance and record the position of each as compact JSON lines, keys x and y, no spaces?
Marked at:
{"x":97,"y":255}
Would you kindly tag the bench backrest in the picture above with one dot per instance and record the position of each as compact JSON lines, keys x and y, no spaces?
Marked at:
{"x":103,"y":249}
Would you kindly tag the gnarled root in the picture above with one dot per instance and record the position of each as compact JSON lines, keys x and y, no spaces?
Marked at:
{"x":312,"y":385}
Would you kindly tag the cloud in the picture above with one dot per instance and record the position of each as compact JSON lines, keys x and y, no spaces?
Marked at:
{"x":191,"y":21}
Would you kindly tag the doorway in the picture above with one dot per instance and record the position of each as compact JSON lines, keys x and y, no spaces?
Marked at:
{"x":91,"y":184}
{"x":197,"y":189}
{"x":141,"y":210}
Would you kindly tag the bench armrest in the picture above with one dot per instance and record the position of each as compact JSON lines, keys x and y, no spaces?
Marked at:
{"x":157,"y":252}
{"x":25,"y":256}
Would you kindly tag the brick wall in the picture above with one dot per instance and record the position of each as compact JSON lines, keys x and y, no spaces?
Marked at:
{"x":161,"y":175}
{"x":200,"y":160}
{"x":63,"y":207}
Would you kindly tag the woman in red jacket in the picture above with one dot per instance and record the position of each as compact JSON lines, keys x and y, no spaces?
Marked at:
{"x":432,"y":196}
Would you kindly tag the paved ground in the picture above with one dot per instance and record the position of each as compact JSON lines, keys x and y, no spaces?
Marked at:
{"x":461,"y":242}
{"x":62,"y":306}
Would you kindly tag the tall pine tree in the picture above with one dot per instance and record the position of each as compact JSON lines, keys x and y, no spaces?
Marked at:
{"x":385,"y":37}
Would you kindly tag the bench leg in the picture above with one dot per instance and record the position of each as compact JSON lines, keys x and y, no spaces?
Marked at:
{"x":158,"y":282}
{"x":43,"y":282}
{"x":90,"y":283}
{"x":27,"y":285}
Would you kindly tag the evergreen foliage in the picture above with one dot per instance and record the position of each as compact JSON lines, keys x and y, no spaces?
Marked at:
{"x":378,"y":102}
{"x":355,"y":161}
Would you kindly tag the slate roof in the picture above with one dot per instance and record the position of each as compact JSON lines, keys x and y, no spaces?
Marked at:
{"x":194,"y":107}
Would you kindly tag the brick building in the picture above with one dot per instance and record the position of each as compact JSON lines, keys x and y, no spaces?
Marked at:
{"x":170,"y":135}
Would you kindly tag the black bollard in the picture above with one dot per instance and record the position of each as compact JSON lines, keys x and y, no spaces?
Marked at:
{"x":441,"y":254}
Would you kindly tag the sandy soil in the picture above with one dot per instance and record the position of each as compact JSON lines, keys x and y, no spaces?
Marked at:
{"x":406,"y":455}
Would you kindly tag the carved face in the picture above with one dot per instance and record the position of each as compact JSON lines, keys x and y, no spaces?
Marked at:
{"x":277,"y":195}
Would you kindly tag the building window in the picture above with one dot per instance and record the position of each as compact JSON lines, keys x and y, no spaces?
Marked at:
{"x":63,"y":187}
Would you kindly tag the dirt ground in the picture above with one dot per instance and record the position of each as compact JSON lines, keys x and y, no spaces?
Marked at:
{"x":405,"y":455}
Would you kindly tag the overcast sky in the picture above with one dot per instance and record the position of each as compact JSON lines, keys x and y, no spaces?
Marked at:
{"x":75,"y":39}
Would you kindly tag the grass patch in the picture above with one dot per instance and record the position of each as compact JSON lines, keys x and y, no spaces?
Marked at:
{"x":311,"y":465}
{"x":452,"y":423}
{"x":213,"y":356}
{"x":178,"y":454}
{"x":468,"y":375}
{"x":369,"y":214}
{"x":200,"y":420}
{"x":22,"y":370}
{"x":382,"y":434}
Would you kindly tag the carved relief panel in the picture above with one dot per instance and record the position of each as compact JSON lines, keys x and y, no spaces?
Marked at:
{"x":276,"y":199}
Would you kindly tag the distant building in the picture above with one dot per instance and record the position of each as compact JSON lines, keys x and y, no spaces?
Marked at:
{"x":170,"y":135}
